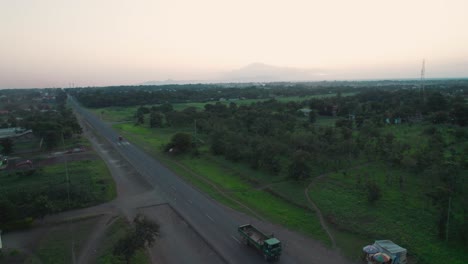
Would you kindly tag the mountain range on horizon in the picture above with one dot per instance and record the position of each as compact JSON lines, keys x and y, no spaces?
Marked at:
{"x":255,"y":72}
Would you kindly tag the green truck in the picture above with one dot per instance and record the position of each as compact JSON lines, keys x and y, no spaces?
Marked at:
{"x":269,"y":246}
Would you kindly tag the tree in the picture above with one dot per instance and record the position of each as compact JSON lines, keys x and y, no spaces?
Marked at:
{"x":140,"y":117}
{"x":166,"y":108}
{"x":459,"y":114}
{"x":312,"y":116}
{"x":299,"y":168}
{"x":436,"y":102}
{"x":51,"y":139}
{"x":373,"y":192}
{"x":218,"y":145}
{"x":7,"y":145}
{"x":143,"y":110}
{"x":143,"y":234}
{"x":156,"y":119}
{"x":180,"y":143}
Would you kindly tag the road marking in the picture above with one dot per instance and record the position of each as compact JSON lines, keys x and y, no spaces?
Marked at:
{"x":209,"y":218}
{"x":190,"y":202}
{"x":237,"y":240}
{"x":118,"y":143}
{"x":173,"y":188}
{"x":126,"y":143}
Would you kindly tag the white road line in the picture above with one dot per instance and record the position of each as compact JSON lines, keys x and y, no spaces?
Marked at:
{"x":118,"y":143}
{"x":237,"y":240}
{"x":209,"y":218}
{"x":173,"y":188}
{"x":190,"y":202}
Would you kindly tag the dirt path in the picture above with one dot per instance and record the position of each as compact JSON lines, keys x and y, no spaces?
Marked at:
{"x":88,"y":253}
{"x":315,"y":207}
{"x":317,"y":210}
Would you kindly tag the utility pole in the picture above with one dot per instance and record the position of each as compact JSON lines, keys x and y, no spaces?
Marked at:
{"x":195,"y":127}
{"x":423,"y":78}
{"x":448,"y":218}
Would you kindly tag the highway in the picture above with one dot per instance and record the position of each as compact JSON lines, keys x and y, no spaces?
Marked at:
{"x":206,"y":216}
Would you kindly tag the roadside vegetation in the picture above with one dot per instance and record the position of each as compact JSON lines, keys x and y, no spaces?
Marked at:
{"x":64,"y":241}
{"x":125,"y":244}
{"x":35,"y":193}
{"x":47,"y":167}
{"x":392,"y":161}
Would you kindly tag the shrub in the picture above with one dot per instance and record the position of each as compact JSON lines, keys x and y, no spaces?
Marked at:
{"x":180,"y":143}
{"x":373,"y":192}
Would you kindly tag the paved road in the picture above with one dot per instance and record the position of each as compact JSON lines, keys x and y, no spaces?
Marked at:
{"x":206,"y":216}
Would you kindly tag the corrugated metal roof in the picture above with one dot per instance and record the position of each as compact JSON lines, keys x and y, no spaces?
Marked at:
{"x":390,"y":246}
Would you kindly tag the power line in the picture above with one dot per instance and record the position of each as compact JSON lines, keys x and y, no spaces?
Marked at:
{"x":69,"y":201}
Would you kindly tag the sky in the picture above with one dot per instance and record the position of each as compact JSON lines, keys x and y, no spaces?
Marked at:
{"x":55,"y":43}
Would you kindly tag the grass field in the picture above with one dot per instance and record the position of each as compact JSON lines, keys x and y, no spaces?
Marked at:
{"x":31,"y":194}
{"x":403,"y":214}
{"x":125,"y":114}
{"x":92,"y":175}
{"x":56,"y":246}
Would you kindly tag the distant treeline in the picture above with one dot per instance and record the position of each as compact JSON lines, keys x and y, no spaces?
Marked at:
{"x":142,"y":95}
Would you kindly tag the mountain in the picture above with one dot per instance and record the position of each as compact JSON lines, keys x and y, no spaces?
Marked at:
{"x":170,"y":81}
{"x":260,"y":72}
{"x":255,"y":72}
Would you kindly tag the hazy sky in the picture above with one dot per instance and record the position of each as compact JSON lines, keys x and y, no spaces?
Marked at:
{"x":46,"y":43}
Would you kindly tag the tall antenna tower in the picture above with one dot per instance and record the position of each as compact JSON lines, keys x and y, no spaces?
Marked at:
{"x":423,"y":78}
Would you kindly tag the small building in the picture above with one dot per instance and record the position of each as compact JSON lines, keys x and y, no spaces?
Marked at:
{"x":14,"y":132}
{"x":305,"y":111}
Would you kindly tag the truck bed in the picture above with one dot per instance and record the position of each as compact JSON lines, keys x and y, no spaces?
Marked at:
{"x":254,"y":234}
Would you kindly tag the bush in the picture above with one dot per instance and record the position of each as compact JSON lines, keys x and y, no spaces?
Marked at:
{"x":180,"y":143}
{"x":18,"y":224}
{"x":142,"y":235}
{"x":373,"y":192}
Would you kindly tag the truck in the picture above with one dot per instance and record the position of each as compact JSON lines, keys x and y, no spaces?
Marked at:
{"x":396,"y":253}
{"x":269,"y":246}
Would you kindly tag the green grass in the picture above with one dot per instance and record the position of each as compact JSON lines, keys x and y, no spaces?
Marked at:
{"x":403,"y":214}
{"x":303,"y":98}
{"x":26,"y":145}
{"x":56,"y":245}
{"x":326,"y":121}
{"x":115,"y":114}
{"x":113,"y":233}
{"x":92,"y":174}
{"x":262,"y":202}
{"x":123,"y":114}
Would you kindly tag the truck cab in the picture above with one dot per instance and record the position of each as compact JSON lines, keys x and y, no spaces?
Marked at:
{"x":268,"y":246}
{"x":271,"y":249}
